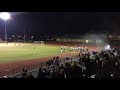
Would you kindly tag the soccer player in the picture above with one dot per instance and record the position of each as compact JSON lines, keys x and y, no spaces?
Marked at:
{"x":61,"y":50}
{"x":34,"y":49}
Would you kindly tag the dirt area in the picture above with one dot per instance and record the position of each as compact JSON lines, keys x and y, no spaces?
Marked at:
{"x":16,"y":67}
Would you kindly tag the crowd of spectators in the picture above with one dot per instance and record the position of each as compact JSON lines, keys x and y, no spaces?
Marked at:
{"x":101,"y":64}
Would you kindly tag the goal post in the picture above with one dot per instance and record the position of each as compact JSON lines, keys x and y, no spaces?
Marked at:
{"x":39,"y":42}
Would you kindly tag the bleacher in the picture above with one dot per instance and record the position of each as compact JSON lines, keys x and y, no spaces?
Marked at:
{"x":35,"y":71}
{"x":104,"y":64}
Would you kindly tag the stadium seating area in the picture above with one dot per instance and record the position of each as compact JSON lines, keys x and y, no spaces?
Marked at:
{"x":102,"y":64}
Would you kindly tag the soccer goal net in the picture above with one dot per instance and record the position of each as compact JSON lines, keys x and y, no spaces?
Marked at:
{"x":39,"y":42}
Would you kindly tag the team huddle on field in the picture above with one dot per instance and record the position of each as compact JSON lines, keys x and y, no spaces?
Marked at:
{"x":81,"y":49}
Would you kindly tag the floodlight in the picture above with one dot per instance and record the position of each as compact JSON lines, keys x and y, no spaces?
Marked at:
{"x":86,"y":41}
{"x":4,"y":15}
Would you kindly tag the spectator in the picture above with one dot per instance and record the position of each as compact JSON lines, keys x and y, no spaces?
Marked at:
{"x":41,"y":73}
{"x":61,"y":73}
{"x":67,"y":58}
{"x":57,"y":58}
{"x":76,"y":71}
{"x":103,"y":64}
{"x":53,"y":58}
{"x":68,"y":70}
{"x":30,"y":76}
{"x":24,"y":73}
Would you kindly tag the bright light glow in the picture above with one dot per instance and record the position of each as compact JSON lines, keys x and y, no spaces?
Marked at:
{"x":107,"y":47}
{"x":98,"y":41}
{"x":110,"y":36}
{"x":93,"y":76}
{"x":86,"y":41}
{"x":4,"y":15}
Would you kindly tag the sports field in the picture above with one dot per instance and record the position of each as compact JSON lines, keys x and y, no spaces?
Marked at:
{"x":19,"y":51}
{"x":16,"y":56}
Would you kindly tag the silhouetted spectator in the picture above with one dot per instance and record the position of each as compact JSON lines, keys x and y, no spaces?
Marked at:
{"x":57,"y":58}
{"x":53,"y":58}
{"x":30,"y":76}
{"x":61,"y":73}
{"x":41,"y":73}
{"x":67,"y":58}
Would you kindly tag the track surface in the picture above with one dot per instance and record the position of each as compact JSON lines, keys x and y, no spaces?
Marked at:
{"x":16,"y":67}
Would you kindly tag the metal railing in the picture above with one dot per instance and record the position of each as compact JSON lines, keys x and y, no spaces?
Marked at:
{"x":17,"y":72}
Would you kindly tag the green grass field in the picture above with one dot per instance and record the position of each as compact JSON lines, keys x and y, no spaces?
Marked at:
{"x":13,"y":52}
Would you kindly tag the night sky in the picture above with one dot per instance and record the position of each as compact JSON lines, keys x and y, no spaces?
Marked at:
{"x":64,"y":22}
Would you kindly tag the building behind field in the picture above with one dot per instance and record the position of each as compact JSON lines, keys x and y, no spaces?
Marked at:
{"x":88,"y":38}
{"x":114,"y":39}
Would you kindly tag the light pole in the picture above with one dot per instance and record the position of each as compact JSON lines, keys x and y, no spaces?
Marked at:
{"x":5,"y":16}
{"x":5,"y":32}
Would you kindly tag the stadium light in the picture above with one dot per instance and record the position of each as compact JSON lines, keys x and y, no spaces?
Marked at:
{"x":86,"y":41}
{"x":5,"y":16}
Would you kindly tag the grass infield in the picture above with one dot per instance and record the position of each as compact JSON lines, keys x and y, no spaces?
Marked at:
{"x":20,"y":51}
